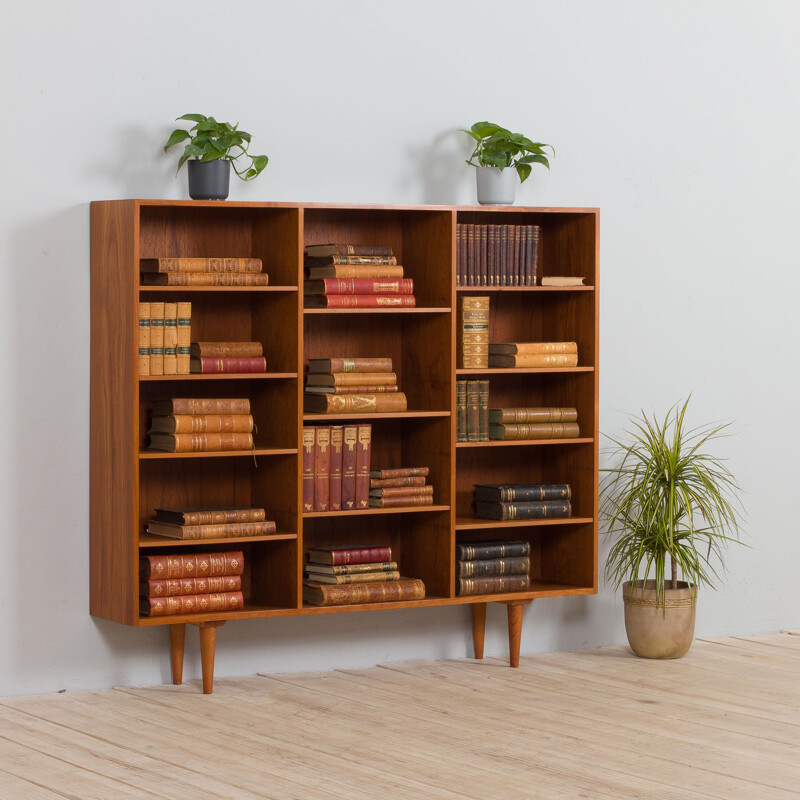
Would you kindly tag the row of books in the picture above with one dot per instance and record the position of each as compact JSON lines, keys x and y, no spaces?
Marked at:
{"x":472,"y":411}
{"x":473,"y":332}
{"x":196,"y":425}
{"x":165,"y":332}
{"x":509,"y":501}
{"x":497,"y":255}
{"x":401,"y":487}
{"x":233,"y":522}
{"x":492,"y":567}
{"x":356,"y":574}
{"x":352,"y":385}
{"x":213,"y":358}
{"x":202,"y":272}
{"x":533,"y":423}
{"x":191,"y":583}
{"x":527,"y":355}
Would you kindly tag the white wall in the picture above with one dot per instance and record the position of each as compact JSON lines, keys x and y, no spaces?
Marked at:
{"x":679,"y":120}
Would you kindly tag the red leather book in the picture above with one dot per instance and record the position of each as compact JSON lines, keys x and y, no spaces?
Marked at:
{"x":179,"y":586}
{"x":400,"y":472}
{"x":459,"y":259}
{"x":378,"y":483}
{"x":322,"y":468}
{"x":203,"y":423}
{"x":483,"y":261}
{"x":360,"y":301}
{"x":337,"y":443}
{"x":349,"y":468}
{"x":523,"y":256}
{"x":191,"y":604}
{"x":504,"y":254}
{"x":363,"y":452}
{"x":471,"y":252}
{"x":223,"y":530}
{"x":194,"y":565}
{"x":330,"y":286}
{"x":200,"y":442}
{"x":354,"y":554}
{"x":208,"y":365}
{"x":309,"y":436}
{"x":515,"y":256}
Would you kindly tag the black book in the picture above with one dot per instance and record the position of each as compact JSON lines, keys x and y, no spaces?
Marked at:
{"x":472,"y":551}
{"x":519,"y":565}
{"x":507,"y":492}
{"x":534,"y":509}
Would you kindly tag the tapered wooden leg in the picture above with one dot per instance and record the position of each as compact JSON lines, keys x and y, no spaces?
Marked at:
{"x":177,"y":638}
{"x":478,"y":627}
{"x":208,"y":646}
{"x":514,"y":630}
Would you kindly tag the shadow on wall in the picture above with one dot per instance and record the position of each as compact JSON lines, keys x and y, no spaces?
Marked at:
{"x":440,"y":169}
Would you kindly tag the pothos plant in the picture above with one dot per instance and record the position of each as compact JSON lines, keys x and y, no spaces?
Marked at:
{"x":499,"y":147}
{"x":210,"y":140}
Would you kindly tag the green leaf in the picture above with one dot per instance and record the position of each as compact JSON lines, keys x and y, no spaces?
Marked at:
{"x":175,"y":137}
{"x":471,"y":133}
{"x":484,"y":129}
{"x":259,"y":162}
{"x":493,"y":160}
{"x":535,"y":159}
{"x":523,"y":170}
{"x":193,"y":117}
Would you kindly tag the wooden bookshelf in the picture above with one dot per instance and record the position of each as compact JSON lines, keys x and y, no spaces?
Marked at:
{"x":128,"y":481}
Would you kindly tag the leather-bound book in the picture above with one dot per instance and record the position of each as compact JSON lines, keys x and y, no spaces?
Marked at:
{"x":400,"y":501}
{"x":170,"y":338}
{"x":350,"y":261}
{"x":507,"y":492}
{"x":483,"y":411}
{"x":337,"y":555}
{"x":203,"y":423}
{"x":355,"y":271}
{"x":473,"y":332}
{"x":210,"y":516}
{"x":379,"y":389}
{"x":191,"y":565}
{"x":472,"y":261}
{"x":521,"y":565}
{"x":322,"y":468}
{"x":363,"y":453}
{"x":531,"y":348}
{"x":336,"y":249}
{"x":504,"y":255}
{"x":359,"y":577}
{"x":534,"y":235}
{"x":194,"y":406}
{"x":184,"y":337}
{"x":561,"y":280}
{"x":351,"y":378}
{"x":523,"y":255}
{"x":200,"y":442}
{"x":351,"y":569}
{"x":461,"y":411}
{"x":482,"y":255}
{"x":547,"y":509}
{"x":350,"y":437}
{"x":378,"y":483}
{"x":459,"y":258}
{"x":309,"y":437}
{"x":224,"y":530}
{"x":401,"y":491}
{"x":329,"y":286}
{"x":399,"y":472}
{"x":471,"y":551}
{"x":156,"y":338}
{"x":191,"y":604}
{"x":337,"y":444}
{"x":473,"y":411}
{"x":495,"y":584}
{"x":331,"y":365}
{"x":360,"y":301}
{"x":387,"y":402}
{"x":144,"y":338}
{"x":179,"y":586}
{"x":215,"y":265}
{"x":203,"y":279}
{"x":491,"y":255}
{"x":516,"y":251}
{"x":515,"y":416}
{"x":227,"y":349}
{"x":392,"y":591}
{"x":535,"y":430}
{"x":539,"y":361}
{"x":228,"y":365}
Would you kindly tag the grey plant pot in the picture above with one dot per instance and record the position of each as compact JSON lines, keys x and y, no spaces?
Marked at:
{"x":209,"y":180}
{"x":496,"y":187}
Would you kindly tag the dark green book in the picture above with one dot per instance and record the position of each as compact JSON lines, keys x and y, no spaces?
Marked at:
{"x":521,"y":565}
{"x":534,"y":509}
{"x":507,"y":492}
{"x":471,"y":551}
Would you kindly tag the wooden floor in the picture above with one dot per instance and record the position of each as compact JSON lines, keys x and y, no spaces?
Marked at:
{"x":723,"y":722}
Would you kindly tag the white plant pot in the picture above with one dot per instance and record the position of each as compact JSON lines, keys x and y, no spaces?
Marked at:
{"x":496,"y":187}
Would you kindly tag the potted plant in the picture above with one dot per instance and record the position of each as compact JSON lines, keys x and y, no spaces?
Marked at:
{"x":497,"y":151}
{"x":211,"y":150}
{"x":665,"y":496}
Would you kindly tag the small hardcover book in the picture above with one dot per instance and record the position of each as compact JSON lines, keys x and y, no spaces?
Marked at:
{"x":507,"y":492}
{"x":400,"y":472}
{"x":461,"y":411}
{"x":535,"y":430}
{"x":170,"y":338}
{"x":210,"y":516}
{"x":227,"y":365}
{"x":493,"y":584}
{"x":363,"y":453}
{"x":531,"y":348}
{"x":479,"y":568}
{"x":561,"y":280}
{"x":191,"y":565}
{"x":403,"y":589}
{"x":320,"y":250}
{"x":184,"y":337}
{"x":351,"y":569}
{"x":360,"y":301}
{"x":473,"y":332}
{"x":179,"y":586}
{"x":309,"y":437}
{"x":193,"y":406}
{"x":203,"y":279}
{"x":144,"y":338}
{"x":322,"y":468}
{"x":533,"y":415}
{"x":203,"y":423}
{"x":401,"y":501}
{"x":329,"y":286}
{"x":351,"y":379}
{"x":213,"y":265}
{"x":547,"y":509}
{"x":350,"y":261}
{"x":190,"y":604}
{"x":536,"y":361}
{"x":156,"y":338}
{"x":225,"y":530}
{"x":473,"y":551}
{"x":226,"y":349}
{"x":337,"y":555}
{"x":340,"y":365}
{"x":200,"y":442}
{"x":350,"y":437}
{"x":359,"y":577}
{"x":337,"y":444}
{"x":384,"y":402}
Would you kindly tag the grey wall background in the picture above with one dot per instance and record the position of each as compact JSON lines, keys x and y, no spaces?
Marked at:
{"x":679,"y":120}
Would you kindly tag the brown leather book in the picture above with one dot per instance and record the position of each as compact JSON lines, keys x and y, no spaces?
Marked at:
{"x":227,"y":349}
{"x":359,"y":577}
{"x":380,"y":389}
{"x":491,"y":255}
{"x":170,"y":338}
{"x":351,"y":569}
{"x":473,"y":411}
{"x":203,"y":279}
{"x":351,"y":379}
{"x":399,"y":472}
{"x":392,"y":591}
{"x":191,"y":565}
{"x":531,"y":348}
{"x":378,"y":483}
{"x":388,"y":402}
{"x":215,"y":265}
{"x":191,"y":604}
{"x":360,"y":301}
{"x":473,"y":332}
{"x":350,"y":261}
{"x":459,"y":257}
{"x":362,"y":271}
{"x":348,"y":250}
{"x":537,"y":361}
{"x":225,"y":530}
{"x":472,"y":266}
{"x":461,"y":411}
{"x":337,"y":443}
{"x":401,"y":491}
{"x":208,"y":365}
{"x":506,"y":416}
{"x":203,"y":423}
{"x":322,"y":468}
{"x":515,"y":256}
{"x":329,"y":286}
{"x":534,"y":430}
{"x":144,"y":338}
{"x":493,"y":584}
{"x":349,"y":467}
{"x":329,"y":365}
{"x":523,"y":255}
{"x":482,"y":255}
{"x":309,"y":437}
{"x":200,"y":442}
{"x":400,"y":502}
{"x":338,"y":555}
{"x":179,"y":586}
{"x":194,"y":406}
{"x":184,"y":337}
{"x":493,"y":566}
{"x":503,"y":267}
{"x":210,"y":516}
{"x":534,"y":235}
{"x":156,"y":338}
{"x":363,"y":453}
{"x":483,"y":411}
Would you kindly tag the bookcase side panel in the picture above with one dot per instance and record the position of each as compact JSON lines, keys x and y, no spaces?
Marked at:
{"x":114,"y":423}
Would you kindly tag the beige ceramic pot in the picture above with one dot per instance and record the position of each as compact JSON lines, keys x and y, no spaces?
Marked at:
{"x":654,"y":631}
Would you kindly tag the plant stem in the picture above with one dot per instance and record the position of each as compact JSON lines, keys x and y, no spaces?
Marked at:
{"x":674,"y":573}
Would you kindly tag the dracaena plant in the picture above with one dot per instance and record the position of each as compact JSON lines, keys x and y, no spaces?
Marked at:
{"x":210,"y":140}
{"x":665,"y":495}
{"x":499,"y":147}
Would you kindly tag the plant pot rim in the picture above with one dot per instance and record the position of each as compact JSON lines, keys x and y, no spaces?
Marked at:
{"x":644,"y":593}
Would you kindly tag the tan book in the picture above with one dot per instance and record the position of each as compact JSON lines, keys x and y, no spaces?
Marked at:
{"x":535,"y":361}
{"x":196,"y":405}
{"x":350,"y":365}
{"x":561,"y":280}
{"x":351,"y":379}
{"x":226,"y":349}
{"x":156,"y":338}
{"x":506,"y":416}
{"x":351,"y":389}
{"x":144,"y":338}
{"x":184,"y":337}
{"x":170,"y":338}
{"x":359,"y":577}
{"x":531,"y":348}
{"x":205,"y":423}
{"x":351,"y":569}
{"x":200,"y":442}
{"x":377,"y":483}
{"x":401,"y":491}
{"x":202,"y":265}
{"x":401,"y":502}
{"x":373,"y":271}
{"x":473,"y":332}
{"x":390,"y":591}
{"x":224,"y":530}
{"x":541,"y":430}
{"x":355,"y":403}
{"x":203,"y":279}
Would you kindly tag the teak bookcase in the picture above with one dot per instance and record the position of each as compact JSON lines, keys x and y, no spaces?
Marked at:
{"x":128,"y":482}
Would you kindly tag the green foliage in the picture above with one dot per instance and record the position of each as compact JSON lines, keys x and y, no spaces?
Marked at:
{"x":498,"y":147}
{"x":666,"y":496}
{"x":210,"y":140}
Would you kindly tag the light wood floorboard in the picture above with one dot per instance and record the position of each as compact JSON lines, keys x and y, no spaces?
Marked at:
{"x":723,"y":722}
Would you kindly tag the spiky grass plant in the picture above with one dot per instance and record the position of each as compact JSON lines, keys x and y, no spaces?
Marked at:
{"x":666,"y":496}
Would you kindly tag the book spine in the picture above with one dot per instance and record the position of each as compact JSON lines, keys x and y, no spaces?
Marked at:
{"x":363,"y":453}
{"x":368,"y":301}
{"x":208,"y":365}
{"x":201,"y":442}
{"x":197,"y":565}
{"x":379,"y":389}
{"x":208,"y":423}
{"x":144,"y":338}
{"x":359,"y":555}
{"x":392,"y":591}
{"x":523,"y":255}
{"x":226,"y":530}
{"x":547,"y":509}
{"x":401,"y":491}
{"x":361,"y":286}
{"x":362,"y":577}
{"x":535,"y":430}
{"x":352,"y":569}
{"x":309,"y":437}
{"x":473,"y":411}
{"x":351,"y":249}
{"x":473,"y":332}
{"x":495,"y":584}
{"x":315,"y":273}
{"x":170,"y":338}
{"x":204,"y":279}
{"x":351,"y":261}
{"x":533,"y":348}
{"x":464,"y":256}
{"x":483,"y":411}
{"x":523,"y":492}
{"x":506,"y":416}
{"x":361,"y":403}
{"x":156,"y":338}
{"x":491,"y":256}
{"x":483,"y":255}
{"x":461,"y":411}
{"x":535,"y":234}
{"x":364,"y":379}
{"x":223,"y":515}
{"x":228,"y":349}
{"x":527,"y":272}
{"x":337,"y":443}
{"x":486,"y":550}
{"x":401,"y":501}
{"x":494,"y":566}
{"x":191,"y":604}
{"x":459,"y":259}
{"x":516,"y":250}
{"x":322,"y":468}
{"x":535,"y":361}
{"x":386,"y":483}
{"x":469,"y":236}
{"x":184,"y":333}
{"x":195,"y":406}
{"x":349,"y":467}
{"x":503,"y":271}
{"x":214,"y":265}
{"x":400,"y":472}
{"x":179,"y":586}
{"x":337,"y":365}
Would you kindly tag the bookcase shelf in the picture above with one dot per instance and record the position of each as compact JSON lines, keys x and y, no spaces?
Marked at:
{"x":128,"y":481}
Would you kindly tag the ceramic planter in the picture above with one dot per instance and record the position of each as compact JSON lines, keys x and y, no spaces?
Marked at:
{"x":209,"y":180}
{"x":496,"y":187}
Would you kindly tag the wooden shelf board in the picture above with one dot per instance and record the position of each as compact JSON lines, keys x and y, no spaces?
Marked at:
{"x":229,"y":376}
{"x":258,"y":451}
{"x":248,"y":612}
{"x":150,"y":540}
{"x":367,"y":416}
{"x":377,"y":310}
{"x":477,"y":523}
{"x":524,"y":442}
{"x":481,"y":289}
{"x":218,"y":288}
{"x":537,"y":589}
{"x":368,"y":511}
{"x":521,"y":370}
